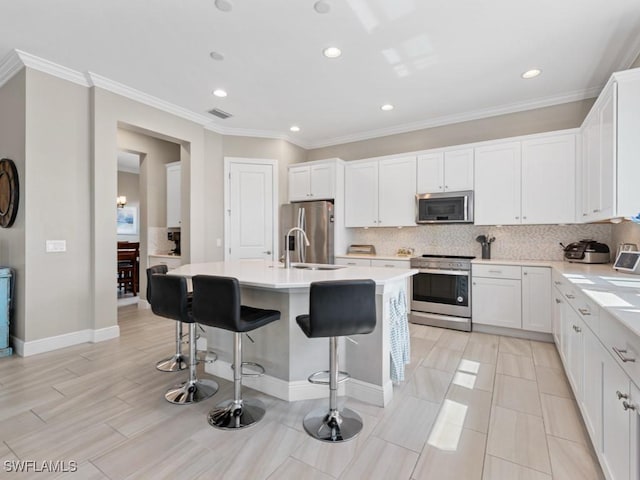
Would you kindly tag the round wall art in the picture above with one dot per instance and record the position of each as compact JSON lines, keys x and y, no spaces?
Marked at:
{"x":9,"y":192}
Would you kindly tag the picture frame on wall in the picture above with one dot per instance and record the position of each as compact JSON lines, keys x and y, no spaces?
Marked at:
{"x":127,"y":221}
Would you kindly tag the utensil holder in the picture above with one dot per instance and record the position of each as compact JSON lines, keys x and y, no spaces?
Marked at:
{"x":486,"y":251}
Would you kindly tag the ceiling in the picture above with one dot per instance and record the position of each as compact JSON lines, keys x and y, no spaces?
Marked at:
{"x":128,"y":162}
{"x":436,"y":61}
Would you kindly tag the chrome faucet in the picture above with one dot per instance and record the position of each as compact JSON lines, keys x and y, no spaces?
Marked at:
{"x":287,"y":258}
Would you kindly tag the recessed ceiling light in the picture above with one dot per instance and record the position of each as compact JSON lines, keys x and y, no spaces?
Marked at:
{"x":218,"y":92}
{"x":534,"y":72}
{"x":217,"y":56}
{"x":321,"y":6}
{"x":332,"y":52}
{"x":223,"y":5}
{"x":294,"y":128}
{"x":386,"y":107}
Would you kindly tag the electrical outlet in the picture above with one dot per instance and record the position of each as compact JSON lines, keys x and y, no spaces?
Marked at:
{"x":56,"y":246}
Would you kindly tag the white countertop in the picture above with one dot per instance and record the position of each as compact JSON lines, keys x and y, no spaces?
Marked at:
{"x":163,"y":255}
{"x":616,"y":292}
{"x":272,"y":275}
{"x":375,"y":257}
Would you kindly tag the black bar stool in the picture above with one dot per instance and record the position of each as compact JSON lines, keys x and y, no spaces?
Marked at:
{"x":177,"y":361}
{"x":216,"y":303}
{"x":337,"y":309}
{"x":170,"y":300}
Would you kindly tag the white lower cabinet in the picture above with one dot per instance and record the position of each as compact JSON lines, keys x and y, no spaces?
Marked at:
{"x":536,"y":299}
{"x":497,"y":301}
{"x":601,"y":379}
{"x":512,"y":296}
{"x":616,"y":422}
{"x":594,"y":356}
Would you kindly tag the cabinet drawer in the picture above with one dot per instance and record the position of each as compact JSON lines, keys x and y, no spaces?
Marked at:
{"x":558,"y":279}
{"x":621,"y":344}
{"x":497,"y":271}
{"x":390,"y":263}
{"x":354,"y":262}
{"x":588,"y":310}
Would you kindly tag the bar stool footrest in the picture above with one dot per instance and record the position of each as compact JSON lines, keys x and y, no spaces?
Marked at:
{"x":257,"y":366}
{"x":313,"y":378}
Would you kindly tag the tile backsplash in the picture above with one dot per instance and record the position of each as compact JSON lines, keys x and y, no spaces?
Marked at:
{"x":158,"y":243}
{"x":521,"y":242}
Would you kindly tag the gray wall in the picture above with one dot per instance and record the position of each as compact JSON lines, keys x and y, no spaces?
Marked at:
{"x":57,"y":206}
{"x":625,"y":232}
{"x":12,"y":145}
{"x":557,"y":117}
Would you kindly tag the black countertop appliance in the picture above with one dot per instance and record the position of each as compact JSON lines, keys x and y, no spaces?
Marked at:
{"x":586,"y":251}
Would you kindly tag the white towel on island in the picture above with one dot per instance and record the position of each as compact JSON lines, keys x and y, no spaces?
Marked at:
{"x":400,"y":346}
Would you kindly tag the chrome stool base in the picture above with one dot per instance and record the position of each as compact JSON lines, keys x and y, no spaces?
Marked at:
{"x":332,"y":426}
{"x":191,"y":392}
{"x":233,"y":415}
{"x":174,"y":363}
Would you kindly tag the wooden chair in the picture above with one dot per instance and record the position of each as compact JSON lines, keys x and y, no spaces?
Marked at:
{"x":129,"y":266}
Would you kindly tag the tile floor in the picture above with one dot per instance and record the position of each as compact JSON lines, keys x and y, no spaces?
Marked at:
{"x":473,"y":406}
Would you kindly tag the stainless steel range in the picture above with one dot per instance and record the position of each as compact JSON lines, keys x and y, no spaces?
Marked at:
{"x":441,"y":294}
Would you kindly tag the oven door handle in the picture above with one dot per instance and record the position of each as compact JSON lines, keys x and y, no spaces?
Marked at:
{"x":461,"y":273}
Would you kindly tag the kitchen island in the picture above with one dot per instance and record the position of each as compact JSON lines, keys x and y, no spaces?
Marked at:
{"x":287,"y":355}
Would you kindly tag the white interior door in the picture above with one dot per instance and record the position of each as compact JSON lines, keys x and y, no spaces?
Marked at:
{"x":250,"y":210}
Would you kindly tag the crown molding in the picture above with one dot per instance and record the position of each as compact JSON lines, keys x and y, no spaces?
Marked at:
{"x":9,"y":66}
{"x":54,"y":69}
{"x":17,"y":59}
{"x":461,"y":117}
{"x":246,"y":132}
{"x":96,"y":80}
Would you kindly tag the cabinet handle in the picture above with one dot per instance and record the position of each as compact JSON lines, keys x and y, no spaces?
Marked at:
{"x":558,"y":300}
{"x":268,"y":252}
{"x":525,"y":273}
{"x":621,"y":395}
{"x":596,"y":210}
{"x":620,"y":352}
{"x":517,"y":218}
{"x":440,"y":187}
{"x":390,"y":266}
{"x":584,"y":311}
{"x":569,"y":296}
{"x":556,"y":282}
{"x":351,"y":263}
{"x":473,"y":283}
{"x":577,"y":329}
{"x":584,"y":214}
{"x":446,"y":187}
{"x":524,"y":218}
{"x":495,"y":271}
{"x":628,"y":406}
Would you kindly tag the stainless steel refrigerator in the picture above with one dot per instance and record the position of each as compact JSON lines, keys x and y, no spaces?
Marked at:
{"x":316,"y":219}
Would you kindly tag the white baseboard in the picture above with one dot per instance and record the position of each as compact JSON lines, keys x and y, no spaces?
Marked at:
{"x":513,"y":332}
{"x":276,"y":387}
{"x":370,"y":393}
{"x":34,"y":347}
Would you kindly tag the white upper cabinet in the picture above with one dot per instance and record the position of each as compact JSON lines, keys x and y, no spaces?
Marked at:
{"x":548,"y":180}
{"x":448,"y":171}
{"x":174,"y":208}
{"x":526,"y":182}
{"x":361,"y":194}
{"x":497,"y":184}
{"x":380,"y":193}
{"x":397,"y":192}
{"x":312,"y":182}
{"x":609,"y":163}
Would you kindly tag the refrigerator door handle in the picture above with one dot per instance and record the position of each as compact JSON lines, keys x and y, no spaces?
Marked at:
{"x":303,"y":225}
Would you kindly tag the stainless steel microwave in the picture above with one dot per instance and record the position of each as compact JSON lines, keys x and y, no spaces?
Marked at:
{"x":449,"y":207}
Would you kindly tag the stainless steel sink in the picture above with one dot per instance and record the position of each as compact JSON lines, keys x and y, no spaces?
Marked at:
{"x":304,"y":266}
